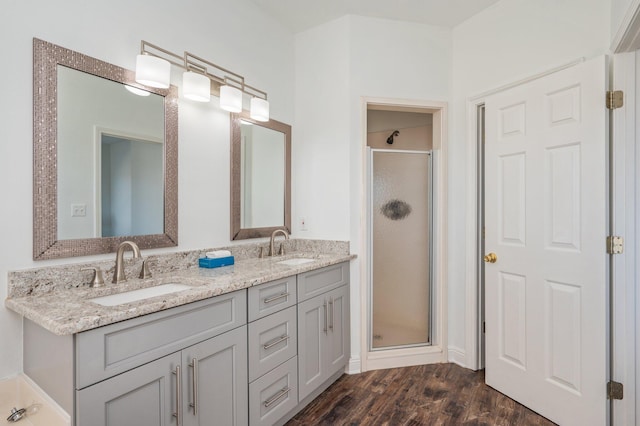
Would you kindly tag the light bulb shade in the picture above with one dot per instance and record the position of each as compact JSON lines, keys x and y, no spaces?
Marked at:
{"x":152,"y":71}
{"x":136,"y":90}
{"x":230,"y":99}
{"x":259,"y":109}
{"x":196,"y":87}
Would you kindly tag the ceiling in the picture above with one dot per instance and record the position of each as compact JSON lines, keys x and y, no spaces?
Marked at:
{"x":300,"y":15}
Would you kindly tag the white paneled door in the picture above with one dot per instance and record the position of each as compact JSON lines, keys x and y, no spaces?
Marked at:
{"x":546,"y":222}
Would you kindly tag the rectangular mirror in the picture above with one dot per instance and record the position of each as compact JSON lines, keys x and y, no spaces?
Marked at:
{"x":260,"y":177}
{"x":105,"y":157}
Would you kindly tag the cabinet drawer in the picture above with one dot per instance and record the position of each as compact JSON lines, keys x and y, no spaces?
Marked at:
{"x":106,"y":351}
{"x":274,"y":394}
{"x":265,"y":299}
{"x":272,"y":340}
{"x":313,"y":283}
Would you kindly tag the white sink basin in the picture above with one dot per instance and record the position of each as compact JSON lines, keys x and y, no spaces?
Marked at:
{"x":135,"y":295}
{"x":296,"y":261}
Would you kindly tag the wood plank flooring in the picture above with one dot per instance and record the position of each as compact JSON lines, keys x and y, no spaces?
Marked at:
{"x":436,"y":394}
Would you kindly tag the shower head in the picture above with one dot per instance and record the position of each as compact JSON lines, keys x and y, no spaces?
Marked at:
{"x":390,"y":138}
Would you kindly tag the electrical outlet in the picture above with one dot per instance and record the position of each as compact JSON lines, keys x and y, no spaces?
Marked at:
{"x":78,"y":210}
{"x":303,"y":224}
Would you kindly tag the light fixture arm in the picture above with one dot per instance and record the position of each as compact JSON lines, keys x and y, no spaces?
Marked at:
{"x":147,"y":48}
{"x":197,"y":88}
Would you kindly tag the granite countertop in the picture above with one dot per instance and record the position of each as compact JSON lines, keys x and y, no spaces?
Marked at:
{"x":69,"y":311}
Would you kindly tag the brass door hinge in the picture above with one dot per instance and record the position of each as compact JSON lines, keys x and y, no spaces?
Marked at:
{"x":615,"y":390}
{"x":615,"y":245}
{"x":615,"y":99}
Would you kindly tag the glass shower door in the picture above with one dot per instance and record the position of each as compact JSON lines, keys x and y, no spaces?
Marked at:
{"x":401,"y":249}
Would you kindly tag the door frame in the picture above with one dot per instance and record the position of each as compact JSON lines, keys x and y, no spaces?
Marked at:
{"x":437,"y":352}
{"x":625,"y":299}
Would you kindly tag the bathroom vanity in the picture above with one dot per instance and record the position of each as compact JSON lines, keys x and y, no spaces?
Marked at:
{"x":250,"y":344}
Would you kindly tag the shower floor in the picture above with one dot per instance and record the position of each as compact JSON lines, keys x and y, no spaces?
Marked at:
{"x":391,"y":335}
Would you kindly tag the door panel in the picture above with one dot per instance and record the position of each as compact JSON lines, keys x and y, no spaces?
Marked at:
{"x":311,"y":334}
{"x":545,"y":218}
{"x":222,"y":381}
{"x":144,"y":396}
{"x":338,"y":345}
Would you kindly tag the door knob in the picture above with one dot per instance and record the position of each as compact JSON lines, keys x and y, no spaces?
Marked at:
{"x":491,"y":258}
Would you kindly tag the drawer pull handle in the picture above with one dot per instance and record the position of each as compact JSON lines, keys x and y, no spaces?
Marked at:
{"x":274,"y":298}
{"x":269,"y":402}
{"x":332,"y":313}
{"x":178,"y":375}
{"x":194,"y":383}
{"x":274,"y":342}
{"x":324,"y":305}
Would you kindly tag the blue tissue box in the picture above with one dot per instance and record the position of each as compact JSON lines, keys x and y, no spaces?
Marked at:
{"x":218,"y":262}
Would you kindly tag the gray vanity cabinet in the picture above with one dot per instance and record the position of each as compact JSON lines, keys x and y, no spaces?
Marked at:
{"x":323,"y":329}
{"x":183,"y":366}
{"x":212,"y":390}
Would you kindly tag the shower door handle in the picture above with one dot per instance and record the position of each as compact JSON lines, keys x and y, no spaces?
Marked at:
{"x":491,"y":258}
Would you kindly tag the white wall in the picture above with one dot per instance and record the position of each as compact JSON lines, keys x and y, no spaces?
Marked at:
{"x":337,"y":64}
{"x":234,"y":33}
{"x":511,"y":40}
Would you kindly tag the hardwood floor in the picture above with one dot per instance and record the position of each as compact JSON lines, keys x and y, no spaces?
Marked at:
{"x":436,"y":394}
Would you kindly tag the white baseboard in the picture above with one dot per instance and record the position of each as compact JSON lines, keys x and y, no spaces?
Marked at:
{"x":457,"y":356}
{"x":354,"y":366}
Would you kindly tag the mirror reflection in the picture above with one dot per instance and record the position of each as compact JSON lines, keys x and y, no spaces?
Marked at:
{"x":262,"y":176}
{"x":110,"y":158}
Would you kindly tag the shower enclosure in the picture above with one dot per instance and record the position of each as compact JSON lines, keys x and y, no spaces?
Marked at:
{"x":400,"y":235}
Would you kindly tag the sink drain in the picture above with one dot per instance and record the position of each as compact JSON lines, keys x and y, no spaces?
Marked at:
{"x":16,"y":414}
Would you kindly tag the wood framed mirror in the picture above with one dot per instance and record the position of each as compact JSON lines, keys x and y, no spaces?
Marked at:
{"x":260,"y":177}
{"x":105,"y":158}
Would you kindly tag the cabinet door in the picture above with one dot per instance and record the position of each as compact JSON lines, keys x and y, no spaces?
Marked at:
{"x":144,"y":396}
{"x":338,"y":342}
{"x":312,"y":335}
{"x":219,"y":379}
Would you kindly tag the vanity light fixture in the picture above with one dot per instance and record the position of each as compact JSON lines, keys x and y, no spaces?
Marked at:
{"x":201,"y":79}
{"x":259,"y":109}
{"x":230,"y":98}
{"x":153,"y":71}
{"x":196,"y":87}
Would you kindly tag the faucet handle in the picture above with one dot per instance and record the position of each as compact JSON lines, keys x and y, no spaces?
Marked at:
{"x":97,"y":280}
{"x":145,"y":272}
{"x":281,"y":251}
{"x":261,"y":254}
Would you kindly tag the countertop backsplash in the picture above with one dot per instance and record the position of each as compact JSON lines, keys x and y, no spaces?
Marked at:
{"x":39,"y":281}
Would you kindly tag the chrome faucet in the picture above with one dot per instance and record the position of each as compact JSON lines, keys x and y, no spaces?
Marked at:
{"x":119,"y":275}
{"x":272,"y":251}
